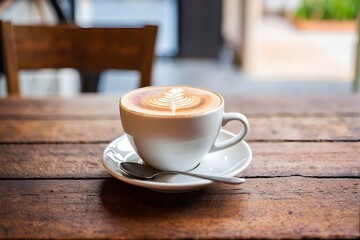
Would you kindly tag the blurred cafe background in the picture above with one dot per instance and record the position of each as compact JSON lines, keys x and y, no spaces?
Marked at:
{"x":231,"y":46}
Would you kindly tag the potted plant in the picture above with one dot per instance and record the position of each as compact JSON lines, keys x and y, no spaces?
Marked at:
{"x":327,"y":14}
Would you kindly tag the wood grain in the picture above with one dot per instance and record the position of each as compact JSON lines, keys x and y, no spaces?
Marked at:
{"x":52,"y":161}
{"x":302,"y":129}
{"x":55,"y":107}
{"x":303,"y":181}
{"x":261,"y":129}
{"x":122,"y":48}
{"x":300,"y":105}
{"x":74,"y":131}
{"x":21,"y":161}
{"x":107,"y":105}
{"x":292,"y":207}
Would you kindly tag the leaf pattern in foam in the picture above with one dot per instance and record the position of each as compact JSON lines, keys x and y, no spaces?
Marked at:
{"x":173,"y":99}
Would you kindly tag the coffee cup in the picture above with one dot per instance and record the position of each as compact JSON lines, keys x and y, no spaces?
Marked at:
{"x":174,"y":127}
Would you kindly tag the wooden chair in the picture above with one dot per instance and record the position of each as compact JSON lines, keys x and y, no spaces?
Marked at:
{"x":91,"y":50}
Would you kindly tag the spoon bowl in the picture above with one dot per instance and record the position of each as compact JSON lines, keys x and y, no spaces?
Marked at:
{"x":146,"y":172}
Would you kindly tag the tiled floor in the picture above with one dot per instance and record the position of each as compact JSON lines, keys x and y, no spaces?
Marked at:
{"x":218,"y":76}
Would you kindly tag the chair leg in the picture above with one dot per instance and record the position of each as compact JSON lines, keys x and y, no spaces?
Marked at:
{"x":89,"y":81}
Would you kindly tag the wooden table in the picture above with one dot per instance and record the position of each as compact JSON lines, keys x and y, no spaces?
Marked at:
{"x":303,"y":181}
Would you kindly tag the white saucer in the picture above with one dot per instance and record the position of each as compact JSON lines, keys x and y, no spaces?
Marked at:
{"x":227,"y":163}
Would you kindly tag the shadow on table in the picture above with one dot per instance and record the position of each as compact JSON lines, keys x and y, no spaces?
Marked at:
{"x":123,"y":200}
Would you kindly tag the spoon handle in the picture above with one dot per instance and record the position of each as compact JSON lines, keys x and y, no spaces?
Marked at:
{"x":229,"y":180}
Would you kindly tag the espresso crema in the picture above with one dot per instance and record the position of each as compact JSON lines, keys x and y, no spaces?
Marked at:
{"x":171,"y":101}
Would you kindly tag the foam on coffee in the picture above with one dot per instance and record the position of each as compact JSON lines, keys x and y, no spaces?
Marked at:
{"x":170,"y":101}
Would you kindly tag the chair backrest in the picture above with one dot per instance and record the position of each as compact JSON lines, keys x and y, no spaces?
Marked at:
{"x":88,"y":49}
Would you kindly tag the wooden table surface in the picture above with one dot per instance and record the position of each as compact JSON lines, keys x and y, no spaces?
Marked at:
{"x":303,"y":181}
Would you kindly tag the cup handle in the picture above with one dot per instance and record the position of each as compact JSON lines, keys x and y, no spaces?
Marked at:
{"x":227,"y":117}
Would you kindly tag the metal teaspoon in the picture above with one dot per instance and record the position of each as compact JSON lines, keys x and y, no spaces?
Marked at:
{"x":142,"y":171}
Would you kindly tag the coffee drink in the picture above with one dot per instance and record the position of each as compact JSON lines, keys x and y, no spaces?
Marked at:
{"x":171,"y":101}
{"x":174,"y":127}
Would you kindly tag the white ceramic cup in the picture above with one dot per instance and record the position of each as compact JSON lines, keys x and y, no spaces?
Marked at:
{"x":179,"y":143}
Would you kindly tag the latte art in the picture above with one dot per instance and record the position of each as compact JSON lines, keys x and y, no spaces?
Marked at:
{"x":174,"y":99}
{"x":170,"y":101}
